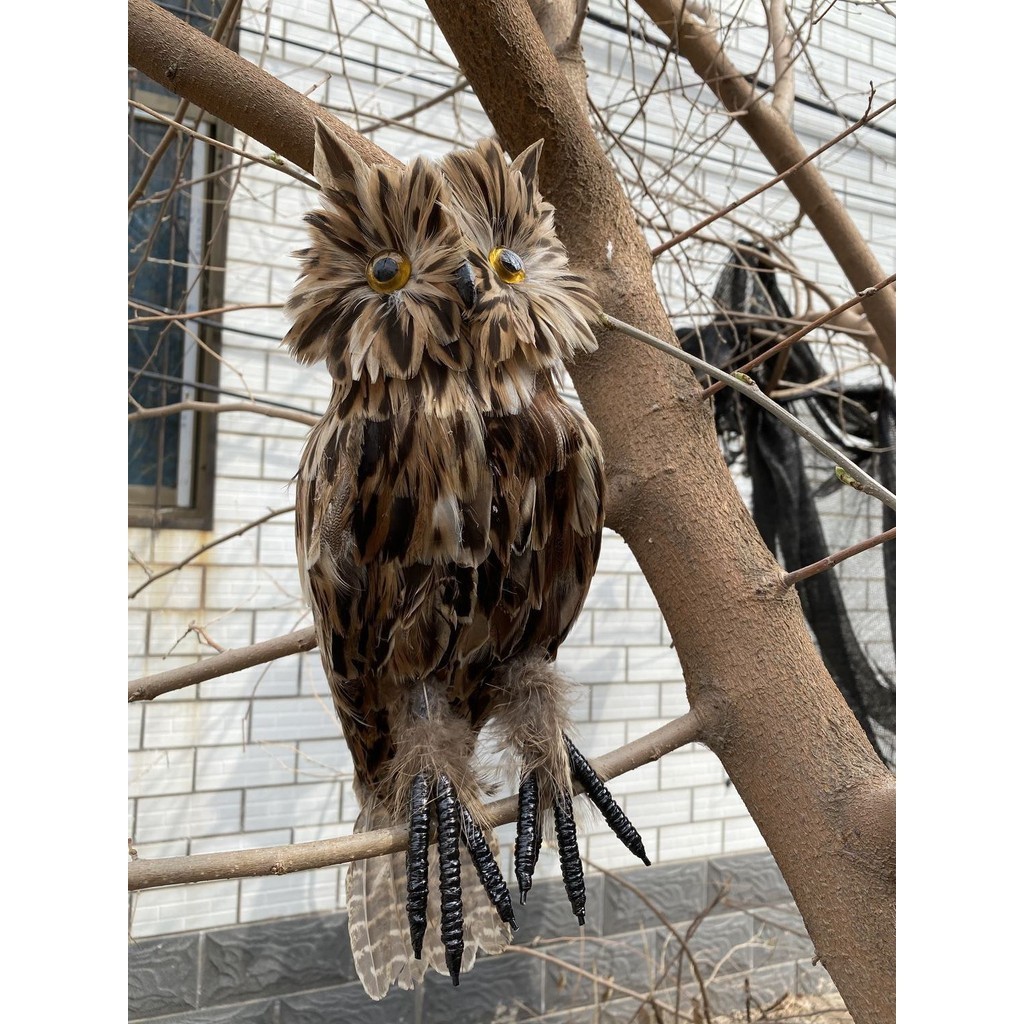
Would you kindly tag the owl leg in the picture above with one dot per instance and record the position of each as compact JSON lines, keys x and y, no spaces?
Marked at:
{"x":536,"y":717}
{"x":444,"y":770}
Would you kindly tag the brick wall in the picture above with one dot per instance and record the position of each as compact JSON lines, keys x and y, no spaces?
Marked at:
{"x":256,"y":759}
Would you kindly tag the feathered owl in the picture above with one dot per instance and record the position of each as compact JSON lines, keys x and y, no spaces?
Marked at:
{"x":449,"y":508}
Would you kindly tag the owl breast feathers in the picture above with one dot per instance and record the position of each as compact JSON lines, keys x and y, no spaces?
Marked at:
{"x":449,"y":508}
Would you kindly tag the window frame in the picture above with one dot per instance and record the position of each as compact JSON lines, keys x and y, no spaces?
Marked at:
{"x":147,"y":504}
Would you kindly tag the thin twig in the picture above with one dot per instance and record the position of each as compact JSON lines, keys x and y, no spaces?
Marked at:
{"x":793,"y":338}
{"x":162,"y":317}
{"x":273,"y":411}
{"x":683,"y":940}
{"x":831,"y":560}
{"x":684,"y":235}
{"x":148,"y":687}
{"x":282,"y":860}
{"x":605,"y":981}
{"x":206,"y":547}
{"x":747,"y":387}
{"x":276,"y":162}
{"x":460,"y":86}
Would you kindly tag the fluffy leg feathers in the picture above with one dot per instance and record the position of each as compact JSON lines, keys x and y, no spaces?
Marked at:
{"x":420,"y":910}
{"x":534,"y":715}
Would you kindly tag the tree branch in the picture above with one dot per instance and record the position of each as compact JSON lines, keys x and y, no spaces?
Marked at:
{"x":282,"y":860}
{"x":792,"y":339}
{"x":181,"y":58}
{"x":221,"y":30}
{"x":833,"y":560}
{"x":206,"y":547}
{"x":781,"y":147}
{"x":148,"y":687}
{"x":694,"y":229}
{"x":748,"y":388}
{"x":273,"y":411}
{"x":784,"y":89}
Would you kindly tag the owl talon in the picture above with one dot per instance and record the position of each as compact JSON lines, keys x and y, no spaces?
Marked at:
{"x":448,"y":814}
{"x":605,"y":802}
{"x":487,"y":869}
{"x":453,"y":821}
{"x":527,"y":835}
{"x":569,"y":856}
{"x":416,"y":862}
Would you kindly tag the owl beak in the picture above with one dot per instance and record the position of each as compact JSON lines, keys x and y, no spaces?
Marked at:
{"x":465,"y":285}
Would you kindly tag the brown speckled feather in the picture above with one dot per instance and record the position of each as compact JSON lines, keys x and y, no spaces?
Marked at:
{"x":449,"y":504}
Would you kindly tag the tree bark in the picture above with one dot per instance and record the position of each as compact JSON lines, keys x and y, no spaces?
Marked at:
{"x":764,"y":701}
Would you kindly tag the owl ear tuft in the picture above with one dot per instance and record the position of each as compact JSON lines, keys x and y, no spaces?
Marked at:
{"x":528,"y":165}
{"x":334,"y":162}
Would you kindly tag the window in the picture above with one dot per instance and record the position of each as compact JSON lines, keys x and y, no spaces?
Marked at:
{"x":176,"y":245}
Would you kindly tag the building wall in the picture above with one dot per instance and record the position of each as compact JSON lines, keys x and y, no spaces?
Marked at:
{"x":257,"y":759}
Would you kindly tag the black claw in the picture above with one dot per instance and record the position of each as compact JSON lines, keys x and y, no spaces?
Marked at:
{"x":487,"y":869}
{"x":569,"y":856}
{"x":605,"y":802}
{"x":448,"y":815}
{"x":416,"y":862}
{"x":527,"y":835}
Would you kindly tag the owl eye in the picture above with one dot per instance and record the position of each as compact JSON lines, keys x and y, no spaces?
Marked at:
{"x":508,"y":264}
{"x":387,"y":272}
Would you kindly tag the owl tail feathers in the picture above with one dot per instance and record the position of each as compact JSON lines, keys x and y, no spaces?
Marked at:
{"x":379,"y":918}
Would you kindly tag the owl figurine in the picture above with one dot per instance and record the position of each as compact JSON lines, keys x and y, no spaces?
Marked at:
{"x":449,"y":507}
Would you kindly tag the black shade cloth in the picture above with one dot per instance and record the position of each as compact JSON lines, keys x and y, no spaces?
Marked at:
{"x":801,"y":510}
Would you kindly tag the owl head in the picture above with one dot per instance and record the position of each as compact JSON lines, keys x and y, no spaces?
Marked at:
{"x":385,"y":282}
{"x":531,"y":309}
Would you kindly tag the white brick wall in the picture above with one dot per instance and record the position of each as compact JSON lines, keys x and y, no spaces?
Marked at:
{"x":257,"y":758}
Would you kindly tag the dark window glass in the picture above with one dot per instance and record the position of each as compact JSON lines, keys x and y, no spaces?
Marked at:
{"x":161,"y":236}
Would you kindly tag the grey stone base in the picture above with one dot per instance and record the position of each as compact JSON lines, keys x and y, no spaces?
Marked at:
{"x":751,"y":945}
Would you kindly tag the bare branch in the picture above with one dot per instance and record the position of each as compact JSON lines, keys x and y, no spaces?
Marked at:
{"x":202,"y":313}
{"x":747,"y":387}
{"x":206,"y":547}
{"x":221,"y":30}
{"x":784,"y":88}
{"x":683,"y":940}
{"x":781,"y":147}
{"x":604,"y":981}
{"x":782,"y":176}
{"x":814,"y":568}
{"x":148,"y":687}
{"x":180,"y":57}
{"x":176,"y":125}
{"x":796,"y":336}
{"x":282,"y":860}
{"x":273,"y":411}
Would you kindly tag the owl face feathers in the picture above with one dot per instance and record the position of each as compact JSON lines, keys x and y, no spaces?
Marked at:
{"x":383,"y":284}
{"x":415,"y":272}
{"x":530,"y":306}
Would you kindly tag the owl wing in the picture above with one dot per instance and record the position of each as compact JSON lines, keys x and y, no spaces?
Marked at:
{"x":393,"y":523}
{"x":335,"y":587}
{"x":547,"y":516}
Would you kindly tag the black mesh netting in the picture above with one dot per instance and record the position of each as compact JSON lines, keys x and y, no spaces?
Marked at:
{"x":802,"y":511}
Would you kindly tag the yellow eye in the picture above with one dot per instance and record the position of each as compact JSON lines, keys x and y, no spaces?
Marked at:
{"x":387,"y":272}
{"x":508,"y":265}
